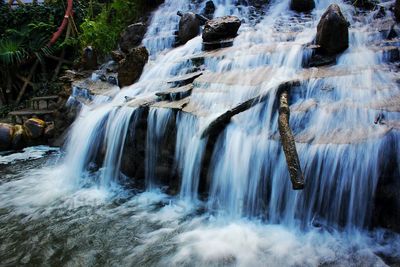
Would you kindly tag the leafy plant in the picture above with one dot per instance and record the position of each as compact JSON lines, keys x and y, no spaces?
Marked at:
{"x":103,"y":31}
{"x":12,"y":52}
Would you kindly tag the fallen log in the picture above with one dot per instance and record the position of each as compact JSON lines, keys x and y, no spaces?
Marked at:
{"x":221,"y":121}
{"x":287,"y":138}
{"x":288,"y":143}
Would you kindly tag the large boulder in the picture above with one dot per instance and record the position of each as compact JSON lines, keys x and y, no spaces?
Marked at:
{"x":131,"y":67}
{"x":221,"y":28}
{"x":132,"y":36}
{"x":189,"y":27}
{"x":34,"y":128}
{"x":6,"y":136}
{"x":302,"y":5}
{"x":397,"y":10}
{"x":333,"y":31}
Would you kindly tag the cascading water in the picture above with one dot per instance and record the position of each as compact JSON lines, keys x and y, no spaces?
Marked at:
{"x":251,"y":215}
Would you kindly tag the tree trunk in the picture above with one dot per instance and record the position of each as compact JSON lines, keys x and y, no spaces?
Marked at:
{"x":288,"y":142}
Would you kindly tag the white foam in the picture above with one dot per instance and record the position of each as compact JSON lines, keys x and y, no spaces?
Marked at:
{"x":29,"y":153}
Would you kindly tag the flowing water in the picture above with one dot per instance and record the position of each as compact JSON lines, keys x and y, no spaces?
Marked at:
{"x":72,"y":208}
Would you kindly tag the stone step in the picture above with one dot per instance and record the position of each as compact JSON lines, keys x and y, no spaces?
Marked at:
{"x":175,"y":105}
{"x":142,"y":101}
{"x":176,"y":93}
{"x":342,"y":136}
{"x":258,"y":76}
{"x":184,"y":79}
{"x":388,"y":104}
{"x":97,"y":87}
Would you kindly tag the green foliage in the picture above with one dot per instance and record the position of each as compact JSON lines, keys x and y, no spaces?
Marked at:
{"x":16,"y":46}
{"x":11,"y":52}
{"x":25,"y":32}
{"x":103,"y":31}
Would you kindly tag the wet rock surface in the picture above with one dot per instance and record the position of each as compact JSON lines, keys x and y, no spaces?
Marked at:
{"x":131,"y":67}
{"x":302,"y":5}
{"x":221,"y":28}
{"x":366,"y":4}
{"x":209,"y":9}
{"x":333,"y":31}
{"x":132,"y":36}
{"x":189,"y":27}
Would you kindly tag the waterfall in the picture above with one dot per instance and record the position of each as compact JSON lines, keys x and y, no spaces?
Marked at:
{"x":143,"y":181}
{"x":340,"y":147}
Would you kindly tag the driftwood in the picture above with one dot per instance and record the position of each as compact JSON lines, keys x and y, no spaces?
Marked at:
{"x":288,"y":143}
{"x":220,"y":122}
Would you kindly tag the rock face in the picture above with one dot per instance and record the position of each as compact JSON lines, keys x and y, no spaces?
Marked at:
{"x":221,"y":28}
{"x":34,"y":128}
{"x":397,"y":10}
{"x":131,"y":67}
{"x":302,"y":5}
{"x":6,"y":136}
{"x":209,"y":9}
{"x":333,"y":31}
{"x":189,"y":27}
{"x":132,"y":36}
{"x":365,"y":4}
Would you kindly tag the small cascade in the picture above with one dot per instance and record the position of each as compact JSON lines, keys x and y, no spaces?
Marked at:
{"x":157,"y":122}
{"x":189,"y":153}
{"x":115,"y":135}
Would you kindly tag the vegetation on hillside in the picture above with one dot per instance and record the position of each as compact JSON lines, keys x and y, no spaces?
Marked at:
{"x":26,"y":30}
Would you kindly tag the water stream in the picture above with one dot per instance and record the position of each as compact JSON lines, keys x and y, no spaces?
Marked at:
{"x":72,"y":208}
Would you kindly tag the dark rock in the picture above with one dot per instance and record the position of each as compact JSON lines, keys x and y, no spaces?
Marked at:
{"x":132,"y":66}
{"x":34,"y":128}
{"x":50,"y":131}
{"x":221,"y":28}
{"x":217,"y":44}
{"x":132,"y":36}
{"x":112,"y":80}
{"x":103,"y":78}
{"x":302,"y":5}
{"x":387,"y":195}
{"x":189,"y":27}
{"x":117,"y":55}
{"x":397,"y":10}
{"x":209,"y":9}
{"x":381,"y":13}
{"x":89,"y":58}
{"x":365,"y":4}
{"x":333,"y":31}
{"x":18,"y":141}
{"x":393,"y":32}
{"x":6,"y":136}
{"x":318,"y":60}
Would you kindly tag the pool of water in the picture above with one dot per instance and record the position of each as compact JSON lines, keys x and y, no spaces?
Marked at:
{"x":44,"y":222}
